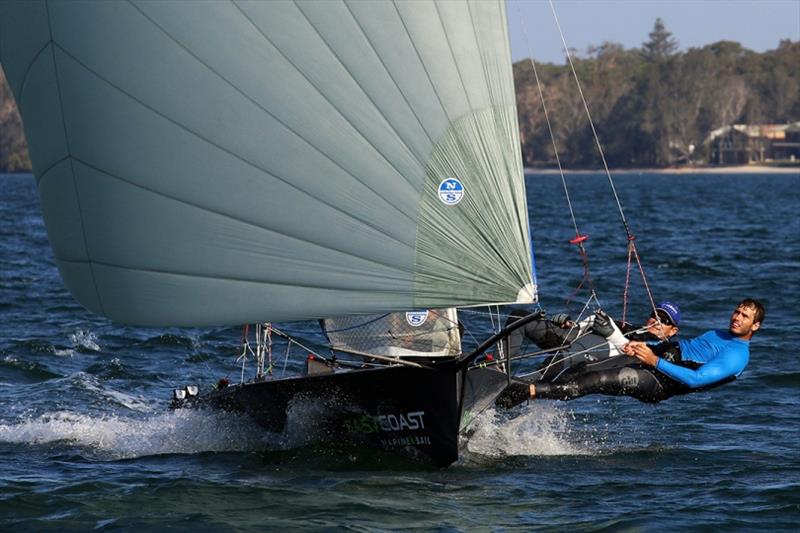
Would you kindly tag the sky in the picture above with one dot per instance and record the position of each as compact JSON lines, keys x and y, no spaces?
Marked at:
{"x":757,"y":24}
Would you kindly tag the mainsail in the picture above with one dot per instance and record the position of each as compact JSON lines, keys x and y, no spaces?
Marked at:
{"x":231,"y":162}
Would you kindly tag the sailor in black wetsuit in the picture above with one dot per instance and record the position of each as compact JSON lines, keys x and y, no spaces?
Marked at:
{"x":592,"y":361}
{"x":658,"y":371}
{"x":589,"y":341}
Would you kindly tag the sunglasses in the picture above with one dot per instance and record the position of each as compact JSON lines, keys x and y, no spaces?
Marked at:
{"x":663,"y":318}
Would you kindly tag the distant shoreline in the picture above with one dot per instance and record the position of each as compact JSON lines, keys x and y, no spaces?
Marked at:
{"x":742,"y":169}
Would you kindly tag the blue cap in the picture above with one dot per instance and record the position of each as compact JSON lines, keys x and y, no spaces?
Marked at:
{"x":672,"y":310}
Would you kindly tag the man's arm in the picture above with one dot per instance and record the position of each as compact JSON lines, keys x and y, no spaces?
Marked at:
{"x":717,"y":370}
{"x":727,"y":364}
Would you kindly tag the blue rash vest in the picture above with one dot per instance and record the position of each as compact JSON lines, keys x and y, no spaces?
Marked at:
{"x":721,"y":354}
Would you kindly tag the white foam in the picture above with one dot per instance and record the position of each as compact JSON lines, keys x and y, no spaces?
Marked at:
{"x":85,"y":339}
{"x":93,"y":383}
{"x":540,"y":429}
{"x":116,"y":437}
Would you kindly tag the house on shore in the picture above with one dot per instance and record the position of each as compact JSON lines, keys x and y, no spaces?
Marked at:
{"x":743,"y":144}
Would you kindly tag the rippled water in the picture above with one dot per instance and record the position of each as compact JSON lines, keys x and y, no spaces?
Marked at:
{"x":87,"y":441}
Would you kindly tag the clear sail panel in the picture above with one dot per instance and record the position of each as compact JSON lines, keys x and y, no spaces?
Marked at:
{"x":426,"y":333}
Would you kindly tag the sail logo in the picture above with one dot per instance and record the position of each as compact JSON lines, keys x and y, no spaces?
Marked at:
{"x":416,"y":318}
{"x":451,"y":191}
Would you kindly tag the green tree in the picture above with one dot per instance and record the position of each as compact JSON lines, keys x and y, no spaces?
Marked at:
{"x":13,"y":148}
{"x":654,"y":103}
{"x":661,"y":44}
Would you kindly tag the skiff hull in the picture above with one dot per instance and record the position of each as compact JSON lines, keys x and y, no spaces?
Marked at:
{"x":415,"y":412}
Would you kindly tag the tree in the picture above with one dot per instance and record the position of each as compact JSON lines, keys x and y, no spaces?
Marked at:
{"x":13,"y":148}
{"x":654,"y":104}
{"x":661,"y":44}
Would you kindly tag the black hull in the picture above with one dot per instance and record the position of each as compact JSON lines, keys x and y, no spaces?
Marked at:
{"x":416,"y":412}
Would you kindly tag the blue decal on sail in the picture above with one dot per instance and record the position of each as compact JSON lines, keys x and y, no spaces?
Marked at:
{"x":451,"y":191}
{"x":416,"y":318}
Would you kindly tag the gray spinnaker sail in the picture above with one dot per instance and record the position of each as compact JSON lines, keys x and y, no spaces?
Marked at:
{"x":230,"y":162}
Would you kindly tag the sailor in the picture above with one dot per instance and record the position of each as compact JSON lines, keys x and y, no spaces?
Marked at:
{"x":591,"y":340}
{"x":707,"y":361}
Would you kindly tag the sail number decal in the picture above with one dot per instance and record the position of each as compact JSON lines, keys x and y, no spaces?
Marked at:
{"x":451,"y":191}
{"x":416,"y":318}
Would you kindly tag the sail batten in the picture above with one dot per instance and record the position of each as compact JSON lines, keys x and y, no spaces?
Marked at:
{"x":231,"y":162}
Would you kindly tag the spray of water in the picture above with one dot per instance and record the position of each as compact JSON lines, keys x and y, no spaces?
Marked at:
{"x":118,"y":437}
{"x":542,"y":429}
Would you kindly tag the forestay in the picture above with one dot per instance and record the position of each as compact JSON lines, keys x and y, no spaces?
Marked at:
{"x":231,"y":162}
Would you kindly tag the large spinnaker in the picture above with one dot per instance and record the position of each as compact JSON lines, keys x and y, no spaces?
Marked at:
{"x":231,"y":162}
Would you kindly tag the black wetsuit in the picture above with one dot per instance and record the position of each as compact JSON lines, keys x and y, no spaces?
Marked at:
{"x":586,"y":367}
{"x":614,"y":376}
{"x":578,"y":352}
{"x":618,"y":376}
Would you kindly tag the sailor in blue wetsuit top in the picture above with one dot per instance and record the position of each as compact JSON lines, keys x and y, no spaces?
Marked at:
{"x":718,"y":356}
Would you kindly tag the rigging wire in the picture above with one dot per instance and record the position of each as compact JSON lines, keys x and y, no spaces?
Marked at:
{"x":631,"y":238}
{"x":589,"y":116}
{"x":579,"y":238}
{"x":556,"y":350}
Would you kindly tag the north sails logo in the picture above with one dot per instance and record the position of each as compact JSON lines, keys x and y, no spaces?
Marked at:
{"x":416,"y":318}
{"x":451,"y":191}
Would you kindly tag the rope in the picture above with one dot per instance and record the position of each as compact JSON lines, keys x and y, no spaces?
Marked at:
{"x":644,"y":280}
{"x":245,"y":348}
{"x":572,"y":354}
{"x":631,"y":246}
{"x":589,"y":116}
{"x":286,"y":359}
{"x":627,"y":282}
{"x":269,"y":346}
{"x":579,"y":238}
{"x":370,"y":321}
{"x":391,"y":360}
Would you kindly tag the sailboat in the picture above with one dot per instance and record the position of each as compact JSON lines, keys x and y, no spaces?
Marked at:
{"x":228,"y":163}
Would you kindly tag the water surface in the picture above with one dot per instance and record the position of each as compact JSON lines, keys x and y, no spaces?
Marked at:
{"x":87,"y":441}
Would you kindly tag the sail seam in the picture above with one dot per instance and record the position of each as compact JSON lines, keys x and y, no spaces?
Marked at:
{"x":29,"y":68}
{"x":222,"y":278}
{"x":41,"y":176}
{"x":230,"y":217}
{"x":424,"y":66}
{"x":452,"y":54}
{"x":232,"y":154}
{"x":516,"y":201}
{"x":524,"y":222}
{"x":388,"y":73}
{"x":69,"y":152}
{"x":341,"y":114}
{"x":521,"y":215}
{"x":274,"y":117}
